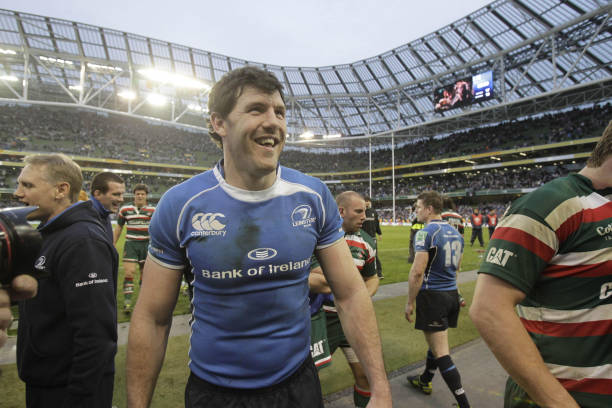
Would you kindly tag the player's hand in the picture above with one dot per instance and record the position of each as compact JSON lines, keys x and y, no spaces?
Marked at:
{"x":22,"y":287}
{"x":409,"y":311}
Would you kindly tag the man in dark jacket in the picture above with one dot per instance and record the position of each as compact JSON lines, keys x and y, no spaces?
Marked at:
{"x":67,"y":335}
{"x":371,"y":225}
{"x":107,"y":189}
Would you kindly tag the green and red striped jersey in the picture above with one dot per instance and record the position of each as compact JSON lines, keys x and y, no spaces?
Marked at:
{"x":555,"y":245}
{"x":137,"y":220}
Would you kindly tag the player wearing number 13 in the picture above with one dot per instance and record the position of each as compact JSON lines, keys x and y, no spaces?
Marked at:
{"x":433,"y":286}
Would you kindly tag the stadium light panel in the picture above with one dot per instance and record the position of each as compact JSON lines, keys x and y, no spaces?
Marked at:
{"x":157,"y":99}
{"x":470,"y":161}
{"x":105,"y":68}
{"x":9,"y":78}
{"x":332,"y":136}
{"x":307,"y":135}
{"x":127,"y":94}
{"x":7,"y":52}
{"x":176,"y":80}
{"x":75,"y":87}
{"x":523,"y":154}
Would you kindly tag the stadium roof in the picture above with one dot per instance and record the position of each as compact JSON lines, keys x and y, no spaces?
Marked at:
{"x":544,"y":54}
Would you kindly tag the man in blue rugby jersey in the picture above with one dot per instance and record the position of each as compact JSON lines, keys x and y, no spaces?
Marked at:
{"x":247,"y":229}
{"x":433,"y":287}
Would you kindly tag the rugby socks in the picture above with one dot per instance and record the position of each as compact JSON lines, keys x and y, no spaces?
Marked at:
{"x":453,"y":380}
{"x":430,"y":368}
{"x":128,"y":289}
{"x":361,"y":397}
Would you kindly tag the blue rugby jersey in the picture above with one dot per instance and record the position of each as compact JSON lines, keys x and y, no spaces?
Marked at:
{"x":445,"y":247}
{"x":250,"y":254}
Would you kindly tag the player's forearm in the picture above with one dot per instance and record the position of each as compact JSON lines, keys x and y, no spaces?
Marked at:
{"x":414,"y":284}
{"x":145,"y":353}
{"x":519,"y":357}
{"x":117,"y":234}
{"x":356,"y":313}
{"x":372,"y":284}
{"x":317,"y":283}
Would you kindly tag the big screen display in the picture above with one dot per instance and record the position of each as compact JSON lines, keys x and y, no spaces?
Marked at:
{"x":453,"y":95}
{"x":464,"y":92}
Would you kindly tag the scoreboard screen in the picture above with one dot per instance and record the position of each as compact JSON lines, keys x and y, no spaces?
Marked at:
{"x":464,"y":92}
{"x":482,"y":86}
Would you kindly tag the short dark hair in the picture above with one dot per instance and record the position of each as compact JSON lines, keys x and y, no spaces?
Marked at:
{"x":100,"y":181}
{"x":603,"y":149}
{"x":139,"y":187}
{"x":225,"y":93}
{"x":431,"y":198}
{"x":448,"y":203}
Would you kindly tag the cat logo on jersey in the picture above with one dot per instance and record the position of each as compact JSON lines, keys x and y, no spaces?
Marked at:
{"x":499,"y":256}
{"x":302,"y":216}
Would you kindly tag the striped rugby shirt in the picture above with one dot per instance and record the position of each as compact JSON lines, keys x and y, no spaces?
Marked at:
{"x":362,"y":249}
{"x":137,"y":220}
{"x":555,"y":245}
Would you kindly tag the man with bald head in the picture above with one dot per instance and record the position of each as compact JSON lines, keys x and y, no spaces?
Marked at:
{"x":352,"y":208}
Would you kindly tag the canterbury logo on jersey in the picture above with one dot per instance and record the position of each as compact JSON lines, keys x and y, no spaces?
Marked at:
{"x":208,"y":224}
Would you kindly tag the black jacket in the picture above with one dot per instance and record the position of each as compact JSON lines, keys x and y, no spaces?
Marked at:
{"x":371,"y":225}
{"x":67,"y":334}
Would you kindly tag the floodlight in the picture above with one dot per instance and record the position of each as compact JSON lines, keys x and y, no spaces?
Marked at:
{"x":127,"y":94}
{"x":9,"y":78}
{"x":523,"y":154}
{"x":307,"y":135}
{"x":170,"y":78}
{"x":58,"y":61}
{"x":7,"y":52}
{"x":157,"y":99}
{"x":196,"y":108}
{"x":75,"y":88}
{"x":332,"y":136}
{"x":470,"y":161}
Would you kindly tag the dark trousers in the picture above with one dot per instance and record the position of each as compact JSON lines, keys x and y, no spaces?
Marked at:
{"x":476,"y":233}
{"x":58,"y":397}
{"x":491,"y":231}
{"x":301,"y":390}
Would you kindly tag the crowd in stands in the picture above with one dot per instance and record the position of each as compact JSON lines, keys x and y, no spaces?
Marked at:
{"x":105,"y":135}
{"x":470,"y":182}
{"x":99,"y":134}
{"x":545,"y":129}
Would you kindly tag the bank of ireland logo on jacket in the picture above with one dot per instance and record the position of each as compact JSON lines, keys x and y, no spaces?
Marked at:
{"x":208,"y":224}
{"x":302,"y":216}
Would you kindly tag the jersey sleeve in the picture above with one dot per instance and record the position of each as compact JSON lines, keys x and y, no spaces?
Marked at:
{"x":521,"y":247}
{"x":164,"y":244}
{"x":332,"y":223}
{"x":422,"y":240}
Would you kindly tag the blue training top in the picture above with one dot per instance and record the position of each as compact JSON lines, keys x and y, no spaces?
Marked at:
{"x":250,"y":255}
{"x":445,"y":247}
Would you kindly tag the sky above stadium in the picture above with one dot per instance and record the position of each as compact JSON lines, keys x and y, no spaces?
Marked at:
{"x":289,"y":32}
